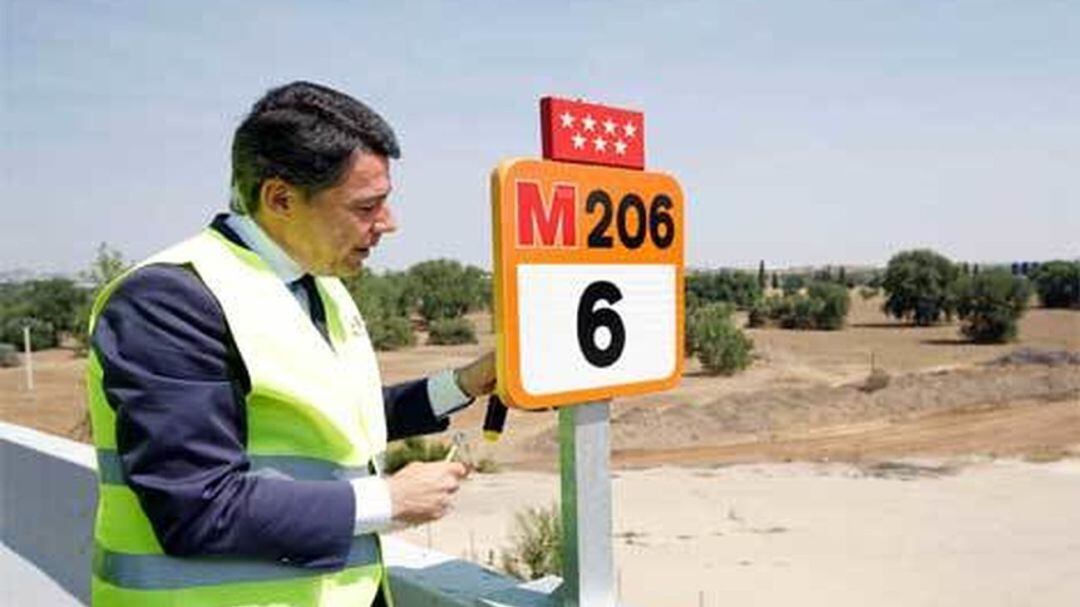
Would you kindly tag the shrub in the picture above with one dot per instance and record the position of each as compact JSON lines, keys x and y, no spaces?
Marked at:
{"x":776,"y":308}
{"x":54,"y":301}
{"x":484,"y":465}
{"x":383,"y":302}
{"x":825,"y":306}
{"x":107,"y":266}
{"x":446,"y":289}
{"x":835,"y":300}
{"x":451,"y":331}
{"x":9,"y":356}
{"x":414,"y":449}
{"x":759,"y":314}
{"x":864,"y":277}
{"x":878,"y":379}
{"x":990,"y":305}
{"x":715,"y":286}
{"x":720,"y":346}
{"x":823,"y":275}
{"x":380,"y":295}
{"x":390,"y":333}
{"x":918,"y":285}
{"x":536,"y":548}
{"x":868,"y":293}
{"x":792,"y":284}
{"x":1058,"y":284}
{"x":42,"y":334}
{"x":800,"y":312}
{"x":693,"y":304}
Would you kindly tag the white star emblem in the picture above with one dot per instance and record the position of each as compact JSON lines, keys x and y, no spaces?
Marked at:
{"x":609,"y":127}
{"x":588,"y":122}
{"x":620,"y":147}
{"x":629,"y":129}
{"x":567,"y":120}
{"x":600,"y":144}
{"x":579,"y":141}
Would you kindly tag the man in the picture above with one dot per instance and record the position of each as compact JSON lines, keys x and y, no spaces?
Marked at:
{"x":235,"y":398}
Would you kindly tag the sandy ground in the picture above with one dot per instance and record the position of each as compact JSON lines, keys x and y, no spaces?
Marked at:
{"x":960,"y":532}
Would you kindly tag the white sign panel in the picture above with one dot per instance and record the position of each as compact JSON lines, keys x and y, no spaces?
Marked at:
{"x":569,"y":343}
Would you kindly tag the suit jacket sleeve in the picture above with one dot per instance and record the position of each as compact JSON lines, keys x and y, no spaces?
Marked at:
{"x":409,"y":411}
{"x":172,"y":374}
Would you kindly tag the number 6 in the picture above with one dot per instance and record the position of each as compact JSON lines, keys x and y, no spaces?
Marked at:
{"x":589,"y":320}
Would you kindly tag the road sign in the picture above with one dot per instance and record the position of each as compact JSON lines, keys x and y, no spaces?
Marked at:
{"x":588,"y":282}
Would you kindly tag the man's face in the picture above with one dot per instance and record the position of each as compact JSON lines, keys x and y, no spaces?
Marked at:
{"x":333,"y":231}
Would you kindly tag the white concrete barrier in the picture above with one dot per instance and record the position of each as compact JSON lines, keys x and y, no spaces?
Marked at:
{"x":48,"y":491}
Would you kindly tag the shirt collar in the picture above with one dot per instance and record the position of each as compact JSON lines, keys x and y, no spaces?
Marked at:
{"x":262,"y":245}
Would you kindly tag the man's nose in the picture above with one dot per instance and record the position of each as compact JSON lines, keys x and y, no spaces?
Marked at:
{"x":385,"y":222}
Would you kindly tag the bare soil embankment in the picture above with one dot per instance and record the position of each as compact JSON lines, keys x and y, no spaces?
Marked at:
{"x":1025,"y":410}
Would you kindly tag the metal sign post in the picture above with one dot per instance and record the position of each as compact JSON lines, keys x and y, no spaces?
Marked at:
{"x":29,"y":359}
{"x":585,"y":463}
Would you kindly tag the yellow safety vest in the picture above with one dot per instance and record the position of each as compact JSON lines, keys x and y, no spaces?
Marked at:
{"x":313,"y":412}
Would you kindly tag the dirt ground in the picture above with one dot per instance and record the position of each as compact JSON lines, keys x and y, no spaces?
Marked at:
{"x":954,"y":531}
{"x":802,"y":399}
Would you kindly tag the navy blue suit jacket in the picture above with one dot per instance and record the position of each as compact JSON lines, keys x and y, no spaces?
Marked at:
{"x":174,"y":377}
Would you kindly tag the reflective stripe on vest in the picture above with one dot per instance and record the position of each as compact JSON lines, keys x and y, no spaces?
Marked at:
{"x":314,"y":412}
{"x":162,"y":572}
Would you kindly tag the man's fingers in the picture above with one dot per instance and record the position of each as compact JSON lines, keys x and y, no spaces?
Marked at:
{"x":478,"y":377}
{"x":424,"y":491}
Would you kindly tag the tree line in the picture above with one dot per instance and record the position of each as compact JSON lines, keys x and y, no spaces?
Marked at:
{"x":437,"y":293}
{"x":926,"y":288}
{"x":433,"y":296}
{"x":920,"y":286}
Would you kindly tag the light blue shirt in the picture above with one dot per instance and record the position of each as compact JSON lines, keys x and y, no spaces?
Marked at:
{"x":271,"y":252}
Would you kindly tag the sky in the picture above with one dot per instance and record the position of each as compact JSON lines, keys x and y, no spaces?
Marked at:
{"x":802,"y":133}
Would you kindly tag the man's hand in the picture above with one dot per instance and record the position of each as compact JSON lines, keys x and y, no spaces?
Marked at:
{"x":478,"y":377}
{"x":420,"y":492}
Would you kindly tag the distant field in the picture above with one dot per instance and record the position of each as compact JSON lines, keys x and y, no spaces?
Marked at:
{"x":799,"y":400}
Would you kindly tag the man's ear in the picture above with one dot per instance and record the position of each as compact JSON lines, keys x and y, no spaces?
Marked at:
{"x":278,"y":197}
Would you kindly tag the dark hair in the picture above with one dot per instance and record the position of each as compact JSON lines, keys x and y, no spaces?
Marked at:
{"x":305,"y":134}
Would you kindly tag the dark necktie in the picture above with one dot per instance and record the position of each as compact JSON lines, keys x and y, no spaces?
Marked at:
{"x":315,"y":305}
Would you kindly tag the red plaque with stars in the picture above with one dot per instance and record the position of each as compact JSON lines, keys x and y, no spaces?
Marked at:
{"x":590,"y":133}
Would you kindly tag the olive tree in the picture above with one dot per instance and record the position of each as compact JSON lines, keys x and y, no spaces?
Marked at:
{"x":990,"y":305}
{"x":107,"y":266}
{"x":1058,"y":284}
{"x":918,"y":286}
{"x":444,"y":288}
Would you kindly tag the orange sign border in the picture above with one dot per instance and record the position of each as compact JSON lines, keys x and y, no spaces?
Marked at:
{"x":616,"y":182}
